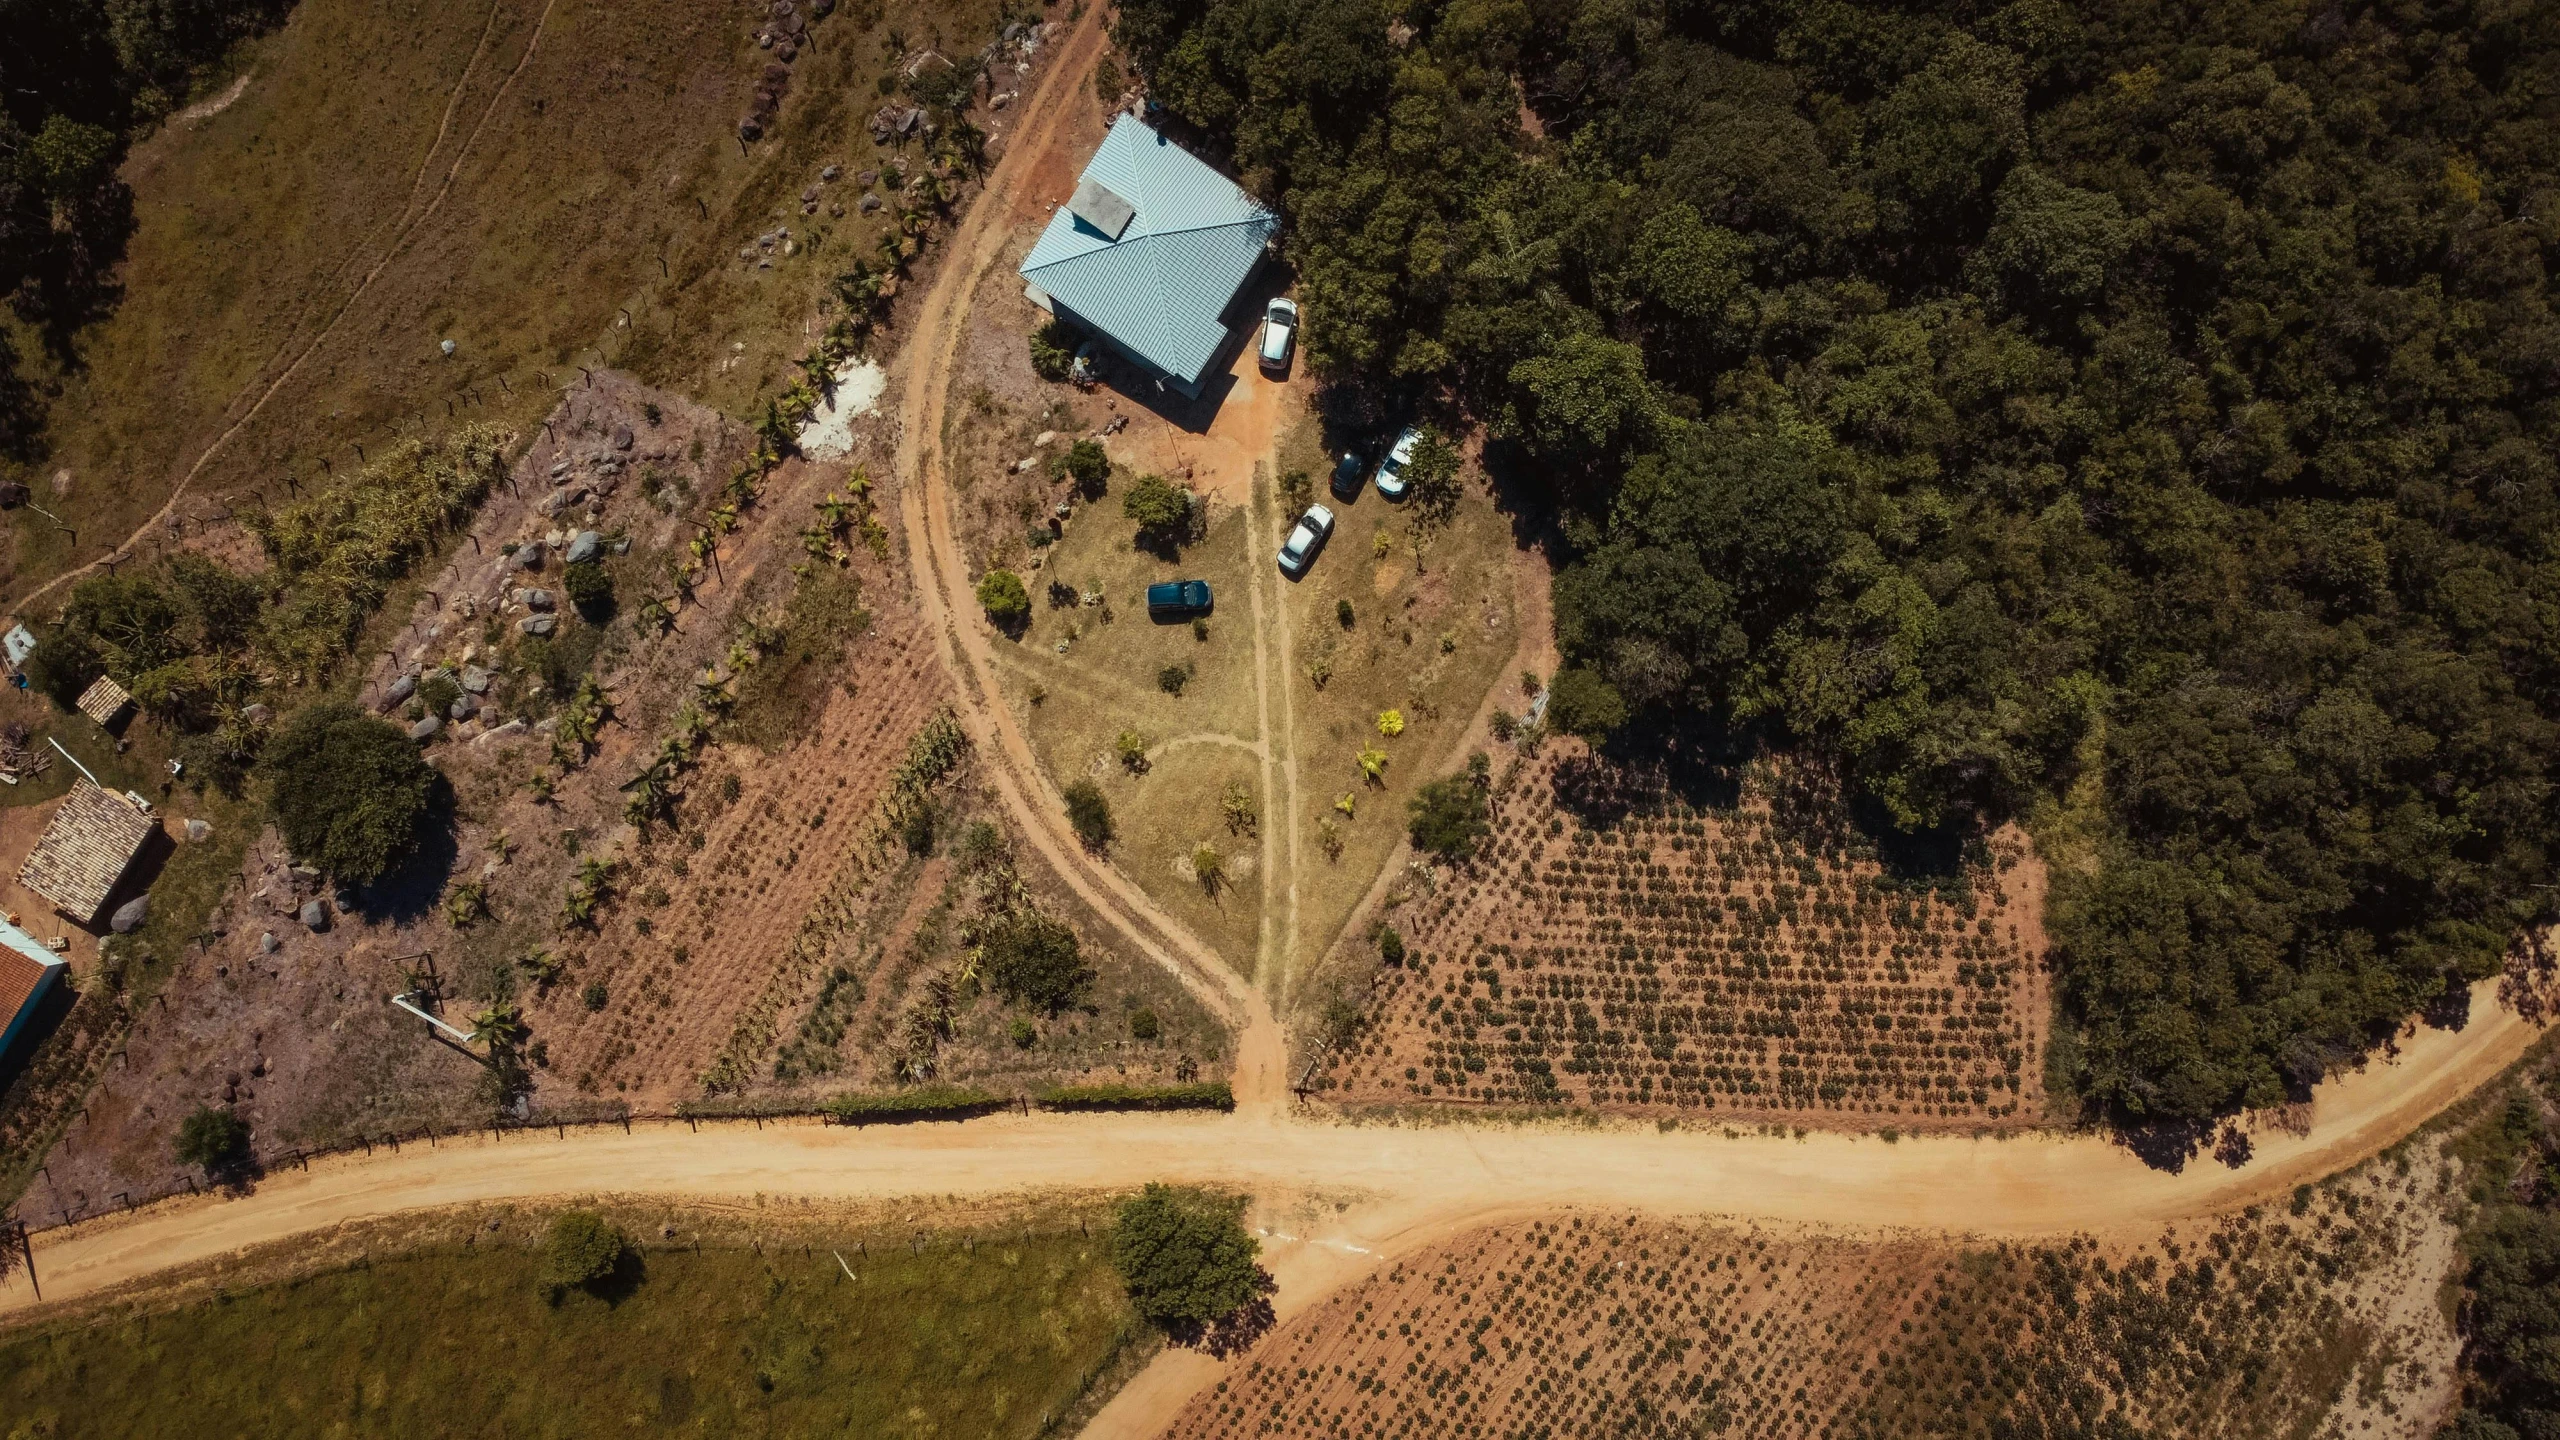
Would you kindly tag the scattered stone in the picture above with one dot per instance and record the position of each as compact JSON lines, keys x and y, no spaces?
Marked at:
{"x":535,"y":625}
{"x":130,"y":915}
{"x":199,"y":831}
{"x":1025,"y":463}
{"x":447,"y":347}
{"x":560,"y":498}
{"x":583,"y":548}
{"x":476,"y":678}
{"x":426,"y":729}
{"x":870,"y":204}
{"x":306,"y":872}
{"x":869,"y":177}
{"x":1002,"y":99}
{"x":621,"y":546}
{"x":401,"y":689}
{"x":751,"y":129}
{"x":809,"y":195}
{"x":559,"y":468}
{"x":830,"y":175}
{"x":529,"y":556}
{"x":498,"y":732}
{"x":315,"y":916}
{"x":622,"y":439}
{"x":465,"y":705}
{"x":1047,"y":437}
{"x":268,"y":944}
{"x":537,"y":600}
{"x":256,"y":713}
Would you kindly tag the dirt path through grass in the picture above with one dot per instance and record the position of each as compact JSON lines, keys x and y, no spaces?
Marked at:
{"x":411,"y":218}
{"x":945,"y":594}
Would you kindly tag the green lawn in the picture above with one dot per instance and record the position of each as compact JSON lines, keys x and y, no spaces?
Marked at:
{"x":725,"y":1342}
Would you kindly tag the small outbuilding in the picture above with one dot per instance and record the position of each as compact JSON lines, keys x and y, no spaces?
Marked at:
{"x":106,"y":702}
{"x":1149,"y":253}
{"x":86,"y":851}
{"x":27,"y":971}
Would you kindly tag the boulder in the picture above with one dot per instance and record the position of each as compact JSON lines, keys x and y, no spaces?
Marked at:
{"x":622,"y":438}
{"x":130,"y":915}
{"x":751,"y":129}
{"x":869,"y":177}
{"x":498,"y":732}
{"x":268,"y":944}
{"x":537,"y":600}
{"x":426,"y":729}
{"x":315,"y":916}
{"x":583,"y":548}
{"x":256,"y":714}
{"x":12,"y":495}
{"x":538,"y":624}
{"x":529,"y":556}
{"x":475,"y":678}
{"x":400,"y":689}
{"x":870,"y":204}
{"x":199,"y":831}
{"x":828,"y":175}
{"x":465,"y":705}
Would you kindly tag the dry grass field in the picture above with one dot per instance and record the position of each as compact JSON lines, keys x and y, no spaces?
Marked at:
{"x":1619,"y":947}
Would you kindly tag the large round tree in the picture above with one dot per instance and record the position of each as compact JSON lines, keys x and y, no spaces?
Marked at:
{"x":348,"y":790}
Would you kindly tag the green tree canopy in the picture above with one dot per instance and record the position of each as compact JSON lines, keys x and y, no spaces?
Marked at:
{"x":1002,"y":594}
{"x":348,"y":790}
{"x":1186,"y":1257}
{"x":582,"y":1250}
{"x":1447,"y":817}
{"x":212,"y":1139}
{"x":1033,"y":960}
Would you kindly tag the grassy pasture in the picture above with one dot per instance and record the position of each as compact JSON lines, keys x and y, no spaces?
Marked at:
{"x":459,"y":1340}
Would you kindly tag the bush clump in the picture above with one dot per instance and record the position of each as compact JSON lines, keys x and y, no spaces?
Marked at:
{"x":212,"y":1139}
{"x":582,"y":1251}
{"x":1186,"y":1257}
{"x":1090,"y":814}
{"x":349,"y":790}
{"x":1201,"y":1095}
{"x":924,"y":1102}
{"x":1053,"y":350}
{"x":1007,"y":603}
{"x":1033,"y":960}
{"x":1448,"y":817}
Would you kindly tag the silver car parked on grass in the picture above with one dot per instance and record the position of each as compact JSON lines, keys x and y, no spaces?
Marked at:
{"x":1299,"y":551}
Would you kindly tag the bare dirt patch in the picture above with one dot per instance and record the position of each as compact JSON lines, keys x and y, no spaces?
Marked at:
{"x":1708,"y":953}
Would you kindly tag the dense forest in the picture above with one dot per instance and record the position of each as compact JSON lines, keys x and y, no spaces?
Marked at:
{"x":79,"y":79}
{"x":2139,"y":417}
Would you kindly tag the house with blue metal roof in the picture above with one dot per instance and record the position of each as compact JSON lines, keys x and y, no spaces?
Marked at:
{"x":27,"y":970}
{"x":1149,"y":253}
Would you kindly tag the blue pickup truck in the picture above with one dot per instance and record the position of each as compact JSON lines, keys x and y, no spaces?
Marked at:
{"x":1178,"y":599}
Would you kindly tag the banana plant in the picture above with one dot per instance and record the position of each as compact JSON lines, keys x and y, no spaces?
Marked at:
{"x":499,"y":1025}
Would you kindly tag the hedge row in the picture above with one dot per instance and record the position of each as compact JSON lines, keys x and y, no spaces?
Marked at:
{"x":1206,"y":1095}
{"x":926,"y":1102}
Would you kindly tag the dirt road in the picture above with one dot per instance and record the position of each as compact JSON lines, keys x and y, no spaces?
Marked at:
{"x":1400,"y":1183}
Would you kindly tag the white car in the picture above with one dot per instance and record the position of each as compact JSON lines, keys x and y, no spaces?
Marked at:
{"x":1279,"y":333}
{"x":1306,"y":540}
{"x":1391,"y":481}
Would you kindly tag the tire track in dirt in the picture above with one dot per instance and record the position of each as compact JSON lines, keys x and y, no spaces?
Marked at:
{"x":399,"y":242}
{"x":944,"y":595}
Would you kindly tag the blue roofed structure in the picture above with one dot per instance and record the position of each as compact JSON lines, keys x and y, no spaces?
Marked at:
{"x":27,"y":970}
{"x":1150,"y":252}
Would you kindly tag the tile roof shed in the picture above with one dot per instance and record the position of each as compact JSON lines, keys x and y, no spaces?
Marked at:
{"x":92,"y":841}
{"x":27,"y":969}
{"x":104,"y":701}
{"x":1150,"y":251}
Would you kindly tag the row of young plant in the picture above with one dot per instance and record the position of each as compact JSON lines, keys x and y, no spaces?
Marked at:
{"x":959,"y":1102}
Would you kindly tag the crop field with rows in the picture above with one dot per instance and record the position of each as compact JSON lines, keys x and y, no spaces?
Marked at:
{"x":1617,"y":946}
{"x":1588,"y":1325}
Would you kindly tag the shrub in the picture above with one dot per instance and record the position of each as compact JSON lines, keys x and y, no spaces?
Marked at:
{"x":1023,"y":1034}
{"x":1186,"y":1256}
{"x":1173,"y":677}
{"x":924,"y":1102}
{"x":1505,"y":725}
{"x":1390,"y":945}
{"x":917,"y":830}
{"x":1053,"y":350}
{"x":1090,"y":467}
{"x":212,"y":1139}
{"x":1197,"y":1095}
{"x":1342,"y":612}
{"x":590,"y":589}
{"x":1033,"y":960}
{"x":349,"y":790}
{"x":1131,"y":747}
{"x":437,"y":693}
{"x":1143,"y":1024}
{"x":1090,"y":814}
{"x":1160,"y":508}
{"x":1209,"y":867}
{"x":595,"y":995}
{"x":581,"y":1252}
{"x":1007,"y":603}
{"x":1391,"y":723}
{"x":1448,"y":817}
{"x":1584,"y":704}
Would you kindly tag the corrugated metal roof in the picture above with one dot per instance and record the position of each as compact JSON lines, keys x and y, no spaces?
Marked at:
{"x":26,"y":968}
{"x":1159,"y":288}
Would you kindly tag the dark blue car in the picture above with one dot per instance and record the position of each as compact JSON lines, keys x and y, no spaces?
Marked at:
{"x":1174,"y":599}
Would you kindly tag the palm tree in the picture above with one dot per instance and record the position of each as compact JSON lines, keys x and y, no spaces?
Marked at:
{"x":498,"y":1025}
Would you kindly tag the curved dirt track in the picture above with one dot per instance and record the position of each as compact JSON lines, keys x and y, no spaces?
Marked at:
{"x":1407,"y":1184}
{"x":945,"y":595}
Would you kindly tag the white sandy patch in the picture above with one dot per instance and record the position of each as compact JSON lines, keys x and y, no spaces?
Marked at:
{"x":198,"y":113}
{"x":829,"y":433}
